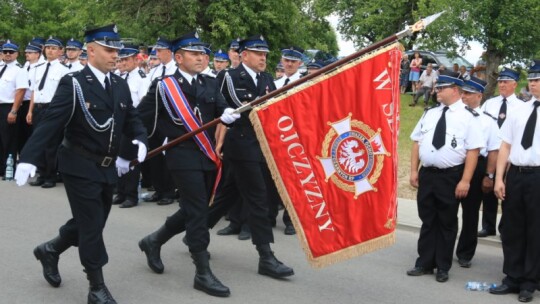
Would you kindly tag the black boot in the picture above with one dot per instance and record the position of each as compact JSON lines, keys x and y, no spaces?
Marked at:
{"x":98,"y":292}
{"x":48,"y":254}
{"x":205,"y":279}
{"x":151,"y":245}
{"x":269,"y":265}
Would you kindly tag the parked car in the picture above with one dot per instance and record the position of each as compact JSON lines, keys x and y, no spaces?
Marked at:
{"x":439,"y":57}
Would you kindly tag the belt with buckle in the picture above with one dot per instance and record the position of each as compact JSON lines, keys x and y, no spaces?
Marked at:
{"x":104,"y":161}
{"x":442,"y":170}
{"x":526,"y":169}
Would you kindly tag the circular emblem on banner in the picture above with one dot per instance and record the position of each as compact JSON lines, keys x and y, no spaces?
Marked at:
{"x":352,"y":156}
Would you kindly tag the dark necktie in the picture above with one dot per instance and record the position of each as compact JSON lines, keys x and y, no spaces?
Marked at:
{"x":108,"y":88}
{"x":439,"y":136}
{"x":528,"y":134}
{"x":42,"y":83}
{"x":127,"y":76}
{"x":3,"y":70}
{"x":286,"y":81}
{"x":27,"y":69}
{"x":69,"y":66}
{"x":502,"y":113}
{"x":163,"y":72}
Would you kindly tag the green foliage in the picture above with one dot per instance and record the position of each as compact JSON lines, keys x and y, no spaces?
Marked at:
{"x":283,"y":23}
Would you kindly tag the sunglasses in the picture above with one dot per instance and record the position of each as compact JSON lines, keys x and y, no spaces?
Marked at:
{"x":8,"y":52}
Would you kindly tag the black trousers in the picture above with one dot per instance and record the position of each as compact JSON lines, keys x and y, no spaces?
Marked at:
{"x":195,"y":188}
{"x":520,"y":229}
{"x":437,"y":208}
{"x":470,"y":207}
{"x":48,"y":171}
{"x":159,"y":172}
{"x":128,"y":184}
{"x":90,"y":203}
{"x":490,"y":205}
{"x":8,"y":137}
{"x":24,"y":129}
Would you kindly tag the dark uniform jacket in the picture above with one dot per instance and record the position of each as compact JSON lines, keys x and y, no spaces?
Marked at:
{"x":210,"y":103}
{"x":240,"y":141}
{"x":78,"y":130}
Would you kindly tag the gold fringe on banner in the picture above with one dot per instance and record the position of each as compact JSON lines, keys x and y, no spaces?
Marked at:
{"x":346,"y":253}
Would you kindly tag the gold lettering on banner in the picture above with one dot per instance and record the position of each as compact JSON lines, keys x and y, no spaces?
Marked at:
{"x":306,"y":177}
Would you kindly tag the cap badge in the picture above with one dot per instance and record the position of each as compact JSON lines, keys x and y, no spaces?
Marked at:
{"x":262,"y":38}
{"x":196,"y":35}
{"x":115,"y":29}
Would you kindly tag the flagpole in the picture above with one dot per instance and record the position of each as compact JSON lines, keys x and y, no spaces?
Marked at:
{"x":418,"y":26}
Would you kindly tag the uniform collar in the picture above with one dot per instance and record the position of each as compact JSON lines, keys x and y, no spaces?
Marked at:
{"x":99,"y":75}
{"x":187,"y":76}
{"x":170,"y":64}
{"x":456,"y":105}
{"x":250,"y":72}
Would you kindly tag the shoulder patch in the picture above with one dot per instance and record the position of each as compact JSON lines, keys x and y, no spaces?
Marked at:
{"x":40,"y":64}
{"x":142,"y":74}
{"x":64,"y":64}
{"x":473,"y":112}
{"x":494,"y":118}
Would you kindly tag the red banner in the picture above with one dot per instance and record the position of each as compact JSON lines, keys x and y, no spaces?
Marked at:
{"x":331,"y":144}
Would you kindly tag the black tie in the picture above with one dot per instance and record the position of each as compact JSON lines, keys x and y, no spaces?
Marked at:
{"x":286,"y":81}
{"x":69,"y":66}
{"x":440,"y":131}
{"x":127,"y":76}
{"x":108,"y":88}
{"x":528,"y":134}
{"x":502,"y":113}
{"x":3,"y":70}
{"x":163,"y":73}
{"x":42,"y":83}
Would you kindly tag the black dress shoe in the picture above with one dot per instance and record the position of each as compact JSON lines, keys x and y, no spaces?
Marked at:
{"x":289,"y":230}
{"x":128,"y":204}
{"x":48,"y":184}
{"x":245,"y":233}
{"x":503,"y":289}
{"x":228,"y":231}
{"x":485,"y":233}
{"x":441,"y":276}
{"x":117,"y":200}
{"x":165,"y":201}
{"x":152,"y":198}
{"x":418,"y":271}
{"x":37,"y":182}
{"x":270,"y":266}
{"x":464,"y":263}
{"x":525,"y":296}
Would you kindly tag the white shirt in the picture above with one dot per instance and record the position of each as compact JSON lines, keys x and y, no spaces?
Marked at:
{"x":24,"y":76}
{"x":428,"y":80}
{"x":187,"y":76}
{"x":170,"y":69}
{"x":490,"y":133}
{"x":56,"y":71}
{"x":281,"y":82}
{"x":138,"y":86}
{"x":10,"y":82}
{"x":75,"y":66}
{"x":99,"y":75}
{"x":493,"y":105}
{"x":512,"y":133}
{"x":462,"y":128}
{"x":251,"y":73}
{"x":208,"y":71}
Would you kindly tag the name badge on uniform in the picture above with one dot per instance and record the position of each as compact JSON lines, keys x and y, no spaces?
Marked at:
{"x":454,"y":142}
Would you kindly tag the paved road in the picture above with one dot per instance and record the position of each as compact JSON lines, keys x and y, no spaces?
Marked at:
{"x":31,"y":215}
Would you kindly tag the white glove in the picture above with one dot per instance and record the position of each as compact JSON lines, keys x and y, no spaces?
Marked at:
{"x":229,"y":116}
{"x":141,"y":155}
{"x":23,"y":171}
{"x":122,"y":166}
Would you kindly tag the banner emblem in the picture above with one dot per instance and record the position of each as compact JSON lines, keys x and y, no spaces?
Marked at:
{"x":353,"y":156}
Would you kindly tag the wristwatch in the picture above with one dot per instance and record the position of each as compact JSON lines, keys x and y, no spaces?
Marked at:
{"x":490,"y":175}
{"x":13,"y":112}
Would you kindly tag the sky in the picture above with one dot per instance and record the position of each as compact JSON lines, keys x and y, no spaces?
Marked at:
{"x":346,"y":47}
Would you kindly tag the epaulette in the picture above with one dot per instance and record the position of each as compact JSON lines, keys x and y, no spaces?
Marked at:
{"x":40,"y":64}
{"x":64,"y":64}
{"x":473,"y":112}
{"x":494,"y":118}
{"x":19,"y":65}
{"x":142,"y":73}
{"x":73,"y":74}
